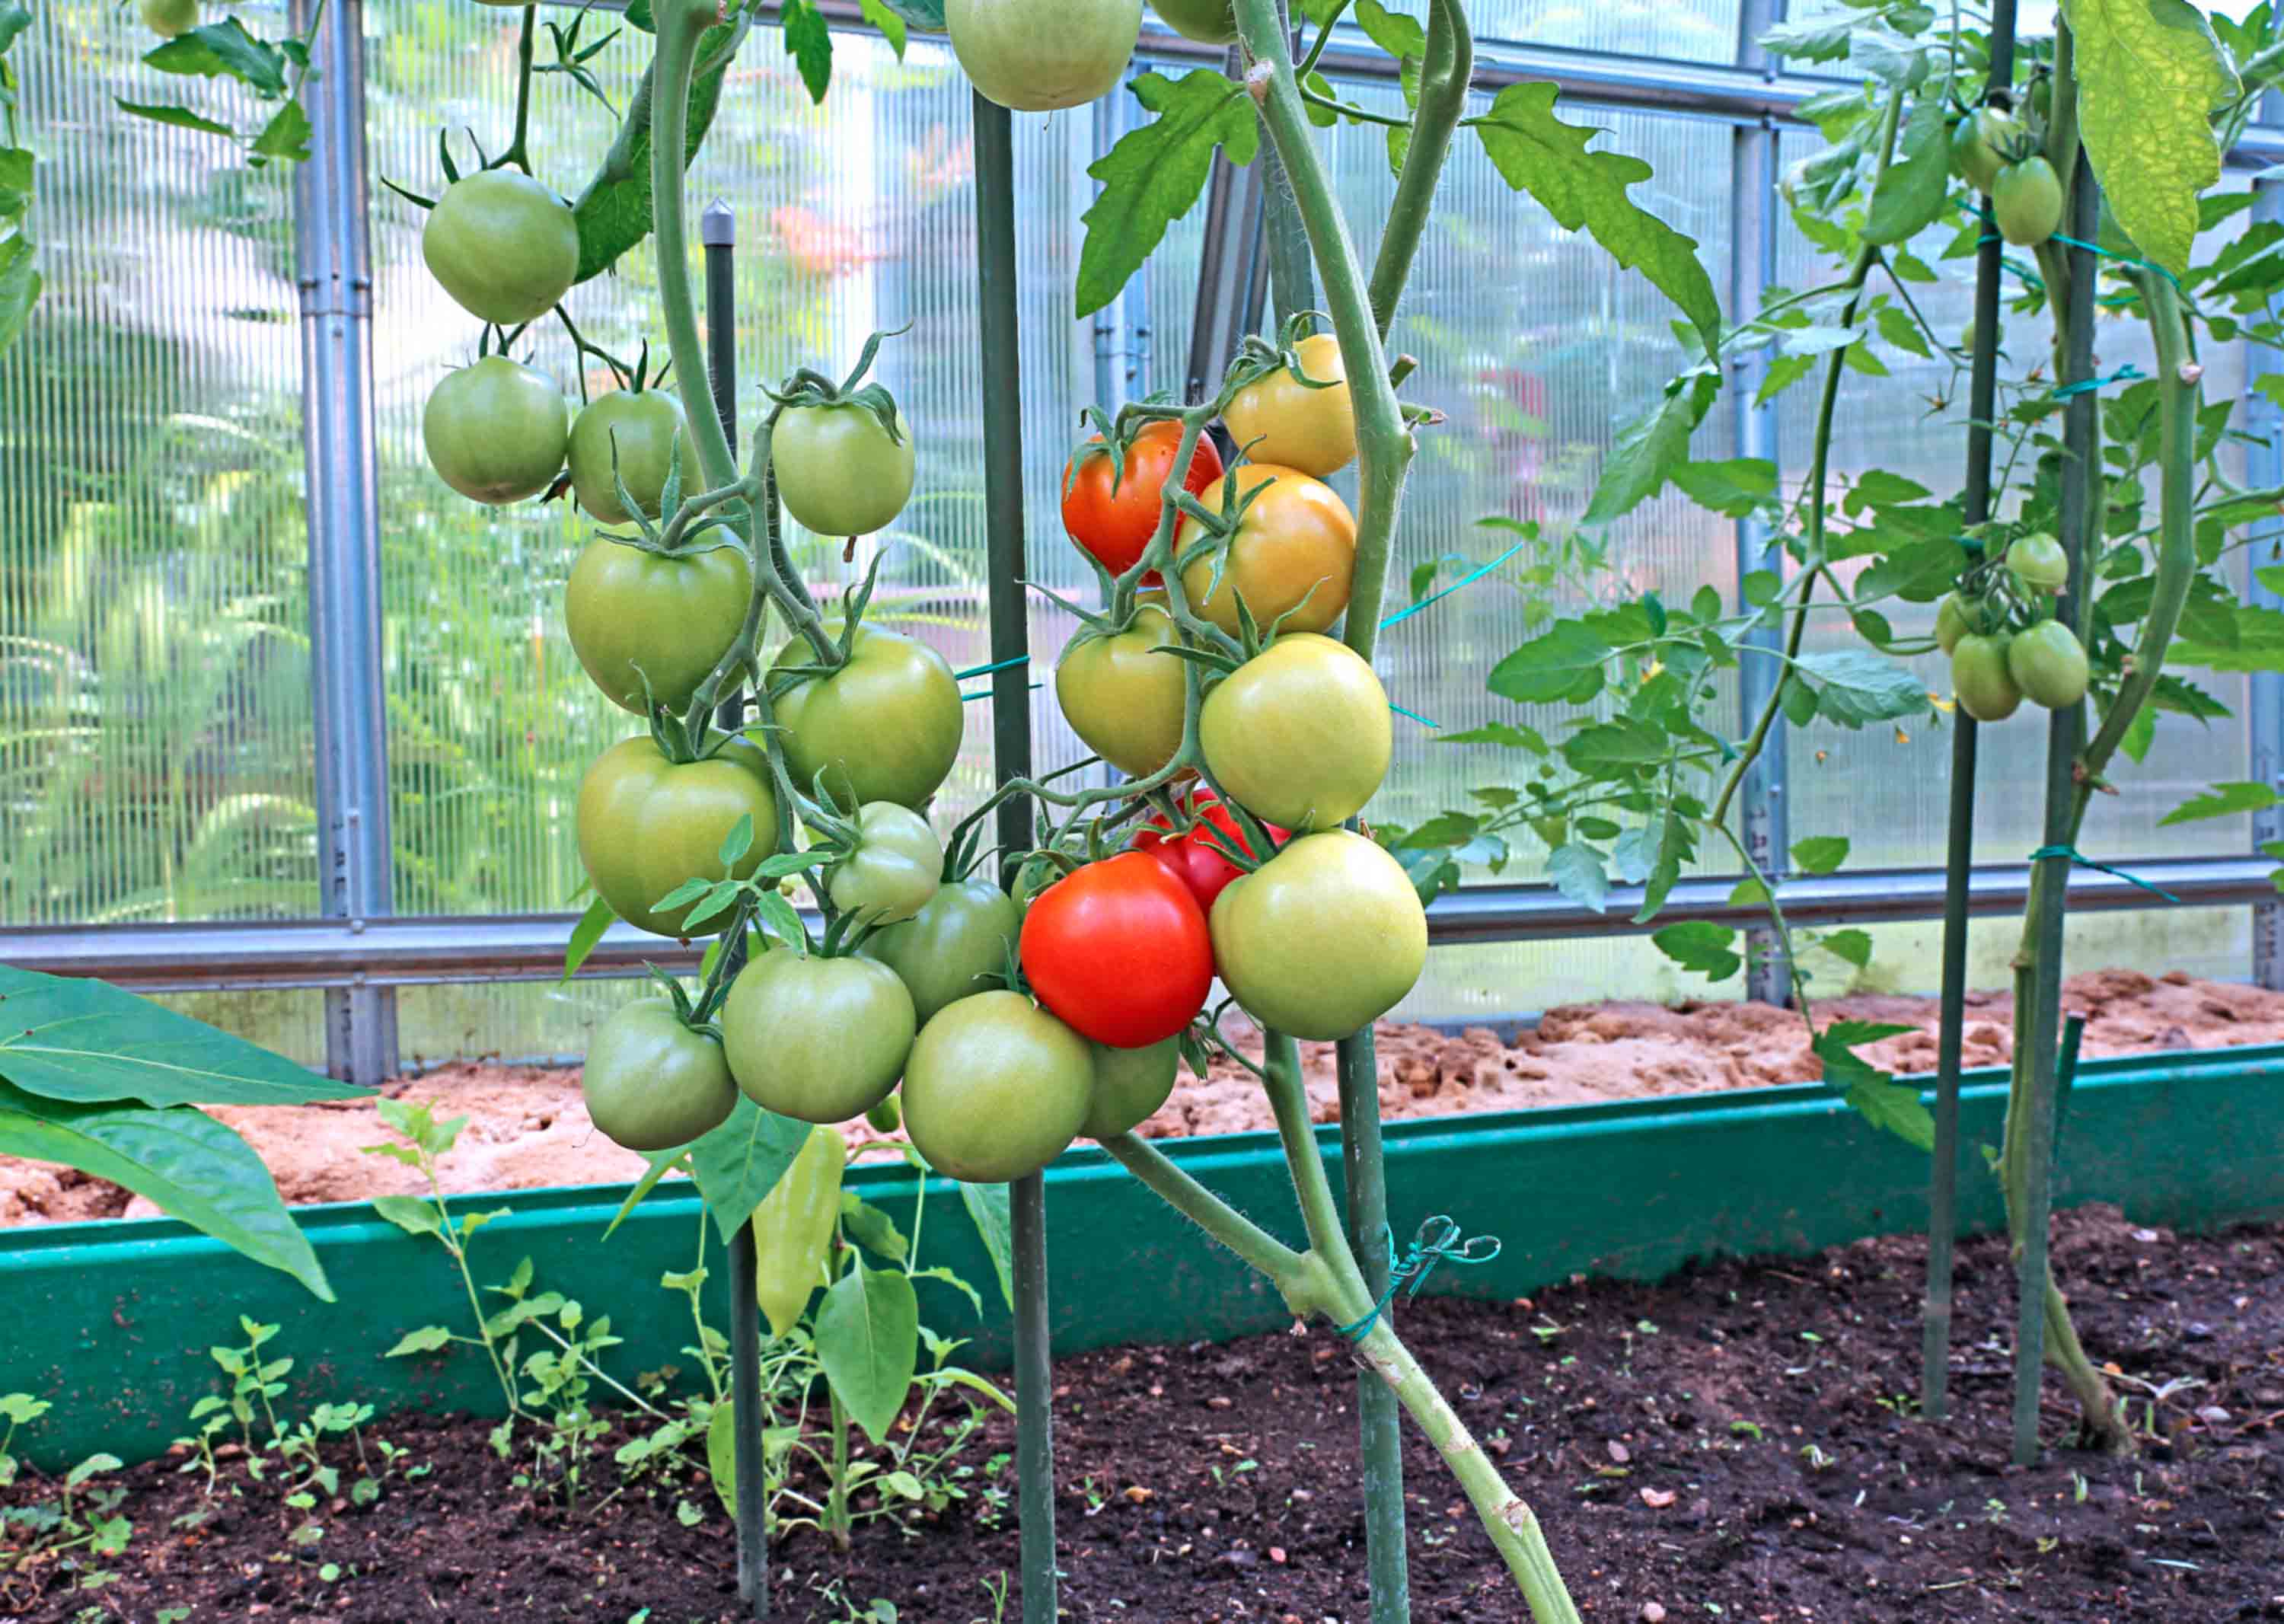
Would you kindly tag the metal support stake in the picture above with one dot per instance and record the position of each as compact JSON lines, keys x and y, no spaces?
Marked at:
{"x":1943,"y":1184}
{"x":1011,"y":754}
{"x":2265,"y":708}
{"x":334,"y":265}
{"x":1122,"y":328}
{"x":1230,"y":269}
{"x":717,"y":229}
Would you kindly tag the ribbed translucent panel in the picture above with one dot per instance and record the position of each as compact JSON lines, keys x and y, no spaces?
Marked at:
{"x":1692,"y":31}
{"x":154,"y":708}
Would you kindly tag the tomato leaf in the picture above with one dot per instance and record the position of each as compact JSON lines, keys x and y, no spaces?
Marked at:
{"x":585,"y":934}
{"x":222,"y":49}
{"x":1855,"y":687}
{"x":868,"y":1339}
{"x":1157,"y":173}
{"x":614,"y":213}
{"x":923,"y":15}
{"x":1918,"y":184}
{"x":1736,"y":488}
{"x":427,"y":1339}
{"x":1819,"y":853}
{"x":2223,"y":801}
{"x":1577,"y":872}
{"x":2149,"y":74}
{"x":989,"y":1206}
{"x":408,"y":1213}
{"x":20,"y":287}
{"x":739,"y":1163}
{"x":286,"y":136}
{"x":193,"y":1166}
{"x":181,"y":118}
{"x":809,"y":43}
{"x":1674,"y":847}
{"x":891,"y":24}
{"x":1855,"y":946}
{"x":1649,"y":448}
{"x":1883,"y":1101}
{"x":1537,"y":153}
{"x":1701,"y":947}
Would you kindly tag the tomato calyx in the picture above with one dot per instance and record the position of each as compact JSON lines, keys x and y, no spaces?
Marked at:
{"x":809,"y":388}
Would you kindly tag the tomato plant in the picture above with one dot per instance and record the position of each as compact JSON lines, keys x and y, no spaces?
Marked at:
{"x":627,"y":440}
{"x":817,"y":1039}
{"x":961,"y":941}
{"x":892,"y":867}
{"x":650,"y":626}
{"x":843,"y":469}
{"x":651,"y":1082}
{"x":503,"y":246}
{"x":1270,"y":929}
{"x":1199,"y":855}
{"x":646,"y":824}
{"x":1036,"y":56}
{"x":1111,"y":506}
{"x":1127,"y":700}
{"x":497,"y":432}
{"x":996,"y":1087}
{"x":1300,"y":733}
{"x":1291,"y":557}
{"x":1120,"y":951}
{"x":884,"y":725}
{"x":1306,"y":422}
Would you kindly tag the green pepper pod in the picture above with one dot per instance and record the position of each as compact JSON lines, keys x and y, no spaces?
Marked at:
{"x":792,"y":1228}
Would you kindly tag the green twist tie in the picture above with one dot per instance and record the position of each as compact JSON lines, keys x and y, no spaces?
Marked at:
{"x":2111,"y":254}
{"x":1464,"y":580}
{"x":2082,"y":861}
{"x":999,"y":665}
{"x":1437,"y":1241}
{"x":2124,"y":374}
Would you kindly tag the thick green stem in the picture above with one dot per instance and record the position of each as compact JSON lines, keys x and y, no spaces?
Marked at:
{"x":681,"y":24}
{"x":1449,"y":62}
{"x":1298,"y":1277}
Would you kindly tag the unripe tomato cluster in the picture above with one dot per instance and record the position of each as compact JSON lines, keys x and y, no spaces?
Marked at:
{"x":2001,"y":656}
{"x":1992,"y":151}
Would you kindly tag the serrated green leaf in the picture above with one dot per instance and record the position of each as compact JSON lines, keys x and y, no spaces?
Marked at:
{"x":1562,"y":664}
{"x":1650,"y":448}
{"x":614,"y":212}
{"x":222,"y":49}
{"x":2223,"y":801}
{"x":1577,"y":872}
{"x":1854,"y":687}
{"x":809,"y":43}
{"x":181,"y":118}
{"x":884,"y":17}
{"x":1895,"y":1106}
{"x":2149,"y":74}
{"x":408,"y":1213}
{"x":585,"y":934}
{"x":1700,"y":946}
{"x":1156,"y":174}
{"x":427,"y":1339}
{"x":1918,"y":183}
{"x":1819,"y":853}
{"x":1734,"y":489}
{"x":1855,"y":946}
{"x":286,"y":136}
{"x":1537,"y":153}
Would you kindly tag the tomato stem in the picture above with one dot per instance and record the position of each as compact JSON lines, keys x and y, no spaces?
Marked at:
{"x":1296,"y":1275}
{"x":1445,"y":67}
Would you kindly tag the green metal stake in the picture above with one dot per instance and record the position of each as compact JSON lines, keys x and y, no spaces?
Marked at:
{"x":2066,"y":1077}
{"x":1010,"y":754}
{"x":2065,"y":738}
{"x":1942,"y":1190}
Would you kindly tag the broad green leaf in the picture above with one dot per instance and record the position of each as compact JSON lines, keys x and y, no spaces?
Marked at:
{"x":193,"y":1166}
{"x":287,"y":136}
{"x":1701,"y":947}
{"x":2139,"y":734}
{"x":614,"y":213}
{"x":988,"y":1205}
{"x":1734,"y":489}
{"x":1537,"y":153}
{"x":181,"y":118}
{"x":1825,"y":40}
{"x":1156,"y":173}
{"x":886,"y":18}
{"x":809,"y":43}
{"x":71,"y":1038}
{"x":585,"y":934}
{"x":427,"y":1339}
{"x":20,"y":287}
{"x":1855,"y":946}
{"x":1649,"y":448}
{"x":869,"y":1226}
{"x":2150,"y":73}
{"x":408,"y":1213}
{"x":923,"y":15}
{"x":222,"y":49}
{"x":1577,"y":872}
{"x":1819,"y":853}
{"x":1625,"y":743}
{"x":2223,"y":801}
{"x":741,"y":1161}
{"x":1513,"y":737}
{"x":1748,"y":892}
{"x":2259,"y":645}
{"x":1676,"y":846}
{"x":1855,"y":687}
{"x":1917,"y":185}
{"x":1562,"y":664}
{"x":1883,"y":1101}
{"x":868,"y":1339}
{"x":661,"y":1163}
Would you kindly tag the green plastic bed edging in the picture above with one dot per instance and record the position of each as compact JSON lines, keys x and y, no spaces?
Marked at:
{"x":111,"y":1321}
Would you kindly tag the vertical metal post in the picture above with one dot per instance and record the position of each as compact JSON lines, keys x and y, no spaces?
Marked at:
{"x":1011,"y":752}
{"x":1230,"y":269}
{"x":1752,"y":267}
{"x":1122,"y":328}
{"x":2264,"y":706}
{"x":718,"y":231}
{"x":1943,"y":1184}
{"x":332,"y":251}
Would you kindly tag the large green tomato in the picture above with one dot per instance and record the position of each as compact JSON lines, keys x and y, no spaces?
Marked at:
{"x":997,"y":1089}
{"x":638,"y":616}
{"x":896,"y":869}
{"x":170,"y":18}
{"x":1980,"y":679}
{"x":2026,"y":202}
{"x":646,"y":824}
{"x":884,"y":727}
{"x":1300,"y":733}
{"x":647,"y":429}
{"x":1955,"y":618}
{"x":1034,"y":55}
{"x":651,"y":1082}
{"x":1209,"y":22}
{"x":1979,"y":144}
{"x":2048,"y":664}
{"x":1323,"y":938}
{"x":2039,"y":565}
{"x":495,"y":431}
{"x":819,"y":1040}
{"x":838,"y":471}
{"x":1129,"y":1085}
{"x":1124,"y":701}
{"x":505,"y":246}
{"x":960,"y":942}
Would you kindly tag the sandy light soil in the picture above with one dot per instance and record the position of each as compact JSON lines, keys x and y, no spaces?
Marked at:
{"x":527,"y":1128}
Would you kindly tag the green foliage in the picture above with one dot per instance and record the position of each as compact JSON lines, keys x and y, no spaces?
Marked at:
{"x":1156,"y":174}
{"x":2150,"y":73}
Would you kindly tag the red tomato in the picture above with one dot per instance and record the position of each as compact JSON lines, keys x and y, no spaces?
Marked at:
{"x":1116,"y":527}
{"x":1193,"y":857}
{"x":1119,"y":951}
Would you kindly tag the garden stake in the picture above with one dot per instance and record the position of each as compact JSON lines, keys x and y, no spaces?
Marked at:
{"x":2050,"y":881}
{"x":1010,"y":756}
{"x":1942,"y":1190}
{"x":2066,"y":1077}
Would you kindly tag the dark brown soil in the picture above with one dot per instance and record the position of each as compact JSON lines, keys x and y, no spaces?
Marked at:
{"x":1733,"y":1444}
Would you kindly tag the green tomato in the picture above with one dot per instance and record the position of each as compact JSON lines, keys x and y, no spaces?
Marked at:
{"x":1034,"y":55}
{"x":1323,"y":938}
{"x":666,"y":621}
{"x":1980,"y":679}
{"x":646,"y":824}
{"x":2039,"y":564}
{"x":651,"y":1082}
{"x":960,"y":942}
{"x":1124,"y":701}
{"x":1129,"y":1085}
{"x":884,"y":727}
{"x":1209,"y":22}
{"x":819,"y":1040}
{"x":1300,"y":733}
{"x":2042,"y":96}
{"x":1954,"y":620}
{"x":838,"y":471}
{"x":2048,"y":664}
{"x":649,"y":431}
{"x":997,"y":1089}
{"x":170,"y":18}
{"x":495,"y":431}
{"x":2026,"y":202}
{"x":505,"y":247}
{"x":1979,"y":144}
{"x":894,"y":869}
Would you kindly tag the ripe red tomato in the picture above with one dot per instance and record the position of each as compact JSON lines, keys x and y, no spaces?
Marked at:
{"x":1193,"y":857}
{"x":1119,"y":951}
{"x":1115,"y":528}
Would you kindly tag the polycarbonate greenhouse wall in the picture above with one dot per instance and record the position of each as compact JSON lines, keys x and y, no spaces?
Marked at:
{"x":208,"y":481}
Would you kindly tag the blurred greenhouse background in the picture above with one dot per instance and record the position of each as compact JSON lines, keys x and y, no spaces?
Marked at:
{"x":158,"y":693}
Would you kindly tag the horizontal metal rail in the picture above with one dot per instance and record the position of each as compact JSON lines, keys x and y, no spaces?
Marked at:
{"x":235,"y":955}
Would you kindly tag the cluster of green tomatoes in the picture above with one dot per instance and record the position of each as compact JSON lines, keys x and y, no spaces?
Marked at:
{"x":1994,"y":152}
{"x":2004,"y":643}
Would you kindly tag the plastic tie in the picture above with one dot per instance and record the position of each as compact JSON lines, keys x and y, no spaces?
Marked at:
{"x":996,"y":665}
{"x":985,"y":693}
{"x":1437,"y":1241}
{"x":2082,"y":861}
{"x":2124,"y":374}
{"x":1415,"y":716}
{"x":1464,"y":581}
